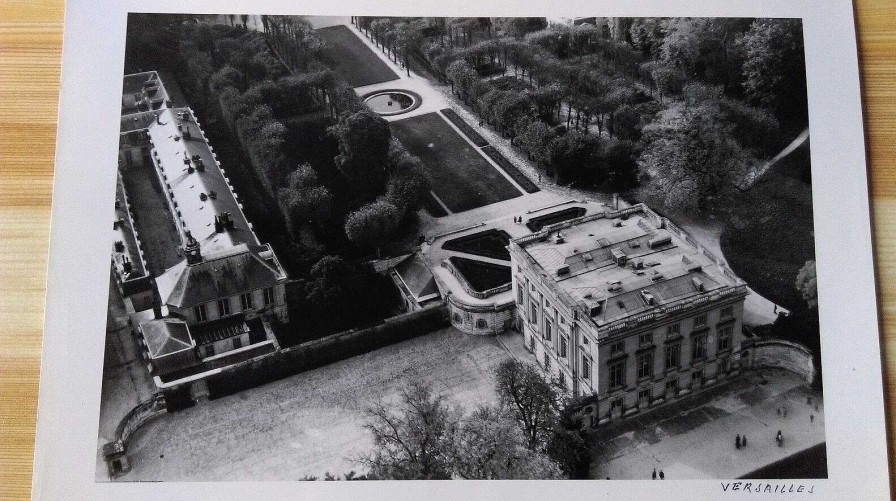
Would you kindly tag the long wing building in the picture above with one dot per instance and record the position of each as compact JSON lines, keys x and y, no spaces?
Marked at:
{"x":203,"y":288}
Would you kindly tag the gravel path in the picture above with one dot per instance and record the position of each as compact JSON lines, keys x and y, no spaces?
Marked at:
{"x":311,"y":423}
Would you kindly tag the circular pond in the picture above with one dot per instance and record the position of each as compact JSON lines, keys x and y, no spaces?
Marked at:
{"x":392,"y":102}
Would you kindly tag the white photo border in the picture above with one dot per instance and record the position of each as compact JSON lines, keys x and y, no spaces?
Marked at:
{"x":77,"y":286}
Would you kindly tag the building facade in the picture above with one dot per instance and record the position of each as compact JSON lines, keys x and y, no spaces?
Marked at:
{"x":625,"y":308}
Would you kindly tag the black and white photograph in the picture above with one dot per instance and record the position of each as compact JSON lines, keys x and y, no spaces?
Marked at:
{"x":469,"y":248}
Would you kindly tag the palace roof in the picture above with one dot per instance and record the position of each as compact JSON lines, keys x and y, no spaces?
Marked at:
{"x":617,"y":267}
{"x":222,"y":274}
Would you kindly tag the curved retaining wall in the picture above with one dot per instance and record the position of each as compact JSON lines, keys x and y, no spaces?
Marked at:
{"x":115,"y":452}
{"x":782,"y":354}
{"x":480,"y":319}
{"x":139,"y":415}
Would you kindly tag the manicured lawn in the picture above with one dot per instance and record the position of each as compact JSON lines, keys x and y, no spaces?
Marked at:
{"x":769,"y":235}
{"x":352,"y":60}
{"x":461,"y":177}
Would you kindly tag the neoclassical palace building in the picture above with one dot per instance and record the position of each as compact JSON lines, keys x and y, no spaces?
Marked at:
{"x":625,"y":307}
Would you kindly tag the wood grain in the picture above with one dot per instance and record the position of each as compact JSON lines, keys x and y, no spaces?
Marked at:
{"x":30,"y":50}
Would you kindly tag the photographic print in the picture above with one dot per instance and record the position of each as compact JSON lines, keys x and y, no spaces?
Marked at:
{"x":396,"y":248}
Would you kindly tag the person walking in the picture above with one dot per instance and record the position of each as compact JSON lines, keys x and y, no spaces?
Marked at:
{"x":779,"y":438}
{"x":811,"y":418}
{"x":662,"y":475}
{"x":743,"y":441}
{"x":654,"y":473}
{"x":737,"y":442}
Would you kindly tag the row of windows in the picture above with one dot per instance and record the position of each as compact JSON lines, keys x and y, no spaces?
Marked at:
{"x":246,"y":303}
{"x":480,"y":323}
{"x":672,"y":357}
{"x":701,"y":320}
{"x":646,"y":338}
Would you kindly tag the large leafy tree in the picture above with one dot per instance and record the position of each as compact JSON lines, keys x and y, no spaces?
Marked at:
{"x":413,"y":440}
{"x":408,"y":181}
{"x":774,"y":68}
{"x":373,"y":224}
{"x":532,"y":401}
{"x":691,"y":157}
{"x":706,"y":48}
{"x":536,"y":139}
{"x":363,"y":140}
{"x":304,"y":200}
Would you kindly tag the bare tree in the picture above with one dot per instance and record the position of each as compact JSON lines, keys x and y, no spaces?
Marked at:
{"x":530,"y":399}
{"x":416,"y":439}
{"x":491,"y":446}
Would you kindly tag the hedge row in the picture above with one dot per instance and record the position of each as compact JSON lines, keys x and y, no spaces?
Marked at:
{"x":459,"y":122}
{"x":511,"y":169}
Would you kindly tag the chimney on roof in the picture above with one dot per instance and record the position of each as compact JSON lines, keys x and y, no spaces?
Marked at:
{"x":191,"y":249}
{"x":223,"y":221}
{"x":187,"y":133}
{"x":698,"y":284}
{"x":200,"y":166}
{"x":619,"y":256}
{"x":119,"y":246}
{"x":126,"y":264}
{"x":648,"y":298}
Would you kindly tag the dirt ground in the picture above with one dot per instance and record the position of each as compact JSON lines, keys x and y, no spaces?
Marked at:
{"x":311,"y":423}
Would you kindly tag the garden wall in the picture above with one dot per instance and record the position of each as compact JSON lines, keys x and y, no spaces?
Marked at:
{"x":782,"y":354}
{"x":324,"y":351}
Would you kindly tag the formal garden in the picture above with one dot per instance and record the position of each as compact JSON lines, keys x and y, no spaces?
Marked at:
{"x":675,"y":112}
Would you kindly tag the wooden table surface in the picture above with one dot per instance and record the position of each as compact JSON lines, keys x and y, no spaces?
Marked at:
{"x":30,"y":50}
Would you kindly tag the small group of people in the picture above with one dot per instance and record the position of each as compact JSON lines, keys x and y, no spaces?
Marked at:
{"x":518,"y":219}
{"x":740,"y":441}
{"x":661,"y":474}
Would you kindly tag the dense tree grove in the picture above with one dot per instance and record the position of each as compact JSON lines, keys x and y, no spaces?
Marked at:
{"x":341,"y":184}
{"x":600,"y":104}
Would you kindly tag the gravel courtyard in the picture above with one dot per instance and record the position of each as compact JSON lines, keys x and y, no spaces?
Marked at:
{"x":311,"y":423}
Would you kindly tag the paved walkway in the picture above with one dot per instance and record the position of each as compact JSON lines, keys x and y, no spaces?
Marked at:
{"x":126,"y":382}
{"x":757,"y":309}
{"x":697,"y":442}
{"x":313,"y":422}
